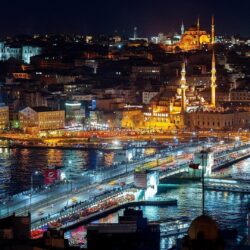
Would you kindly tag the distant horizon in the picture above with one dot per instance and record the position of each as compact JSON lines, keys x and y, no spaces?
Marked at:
{"x":110,"y":34}
{"x":98,"y":16}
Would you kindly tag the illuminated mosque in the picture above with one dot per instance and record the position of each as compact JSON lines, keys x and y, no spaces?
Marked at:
{"x":167,"y":109}
{"x":193,"y":39}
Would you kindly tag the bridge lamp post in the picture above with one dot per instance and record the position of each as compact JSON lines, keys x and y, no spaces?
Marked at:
{"x":31,"y":186}
{"x":237,"y":141}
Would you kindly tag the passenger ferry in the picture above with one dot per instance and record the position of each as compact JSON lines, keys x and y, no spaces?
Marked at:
{"x":175,"y":227}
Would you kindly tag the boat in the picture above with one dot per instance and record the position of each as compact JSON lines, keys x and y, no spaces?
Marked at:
{"x":175,"y":227}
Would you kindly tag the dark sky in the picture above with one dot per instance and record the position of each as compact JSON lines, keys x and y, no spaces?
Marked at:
{"x":105,"y":16}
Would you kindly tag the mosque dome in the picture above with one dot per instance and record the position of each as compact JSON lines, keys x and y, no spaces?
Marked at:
{"x":193,"y":28}
{"x":205,"y":227}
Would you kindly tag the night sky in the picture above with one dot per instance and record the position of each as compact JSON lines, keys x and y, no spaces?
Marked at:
{"x":106,"y":16}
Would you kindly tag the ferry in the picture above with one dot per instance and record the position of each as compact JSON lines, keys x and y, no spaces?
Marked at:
{"x":175,"y":227}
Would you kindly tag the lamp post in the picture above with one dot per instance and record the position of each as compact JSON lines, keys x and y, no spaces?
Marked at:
{"x":203,"y":153}
{"x":31,"y":187}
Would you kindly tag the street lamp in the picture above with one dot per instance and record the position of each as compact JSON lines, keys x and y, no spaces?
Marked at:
{"x":31,"y":186}
{"x":116,"y":142}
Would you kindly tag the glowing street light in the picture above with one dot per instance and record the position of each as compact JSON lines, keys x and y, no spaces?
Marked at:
{"x":31,"y":185}
{"x":116,"y":142}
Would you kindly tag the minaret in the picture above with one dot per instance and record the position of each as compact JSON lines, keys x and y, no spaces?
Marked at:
{"x":212,"y":31}
{"x":135,"y":33}
{"x":183,"y":88}
{"x":198,"y":23}
{"x":198,"y":31}
{"x":182,"y":28}
{"x":213,"y":82}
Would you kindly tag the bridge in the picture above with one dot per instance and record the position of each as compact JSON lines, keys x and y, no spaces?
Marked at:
{"x":170,"y":169}
{"x":227,"y":185}
{"x":219,"y":160}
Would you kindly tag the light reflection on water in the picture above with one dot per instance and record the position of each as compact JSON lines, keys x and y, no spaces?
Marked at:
{"x":229,"y":209}
{"x":16,"y":165}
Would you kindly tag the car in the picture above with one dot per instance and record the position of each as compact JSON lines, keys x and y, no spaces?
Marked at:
{"x":40,"y":213}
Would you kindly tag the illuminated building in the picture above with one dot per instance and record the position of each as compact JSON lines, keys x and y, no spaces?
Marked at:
{"x":218,"y":119}
{"x":167,"y":109}
{"x":170,"y":108}
{"x":4,"y":116}
{"x":146,"y":72}
{"x":41,"y":118}
{"x":193,"y":38}
{"x":30,"y":51}
{"x":132,"y":118}
{"x":74,"y":112}
{"x":21,"y":53}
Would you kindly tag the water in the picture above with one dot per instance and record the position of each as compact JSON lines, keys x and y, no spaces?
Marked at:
{"x":17,"y":165}
{"x":229,"y":209}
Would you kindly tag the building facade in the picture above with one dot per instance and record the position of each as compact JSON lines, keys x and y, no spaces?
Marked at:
{"x":148,"y":95}
{"x":218,"y":120}
{"x":74,"y":112}
{"x":4,"y":117}
{"x":193,"y":38}
{"x":41,"y":118}
{"x":20,"y":53}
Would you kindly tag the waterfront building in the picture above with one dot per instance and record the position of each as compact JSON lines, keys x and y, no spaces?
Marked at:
{"x":167,"y":109}
{"x":181,"y":105}
{"x":74,"y":112}
{"x":218,"y":119}
{"x":41,"y":118}
{"x":4,"y":116}
{"x":132,"y":118}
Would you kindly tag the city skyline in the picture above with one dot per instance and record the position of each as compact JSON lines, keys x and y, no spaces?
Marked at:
{"x":125,"y":125}
{"x":97,"y":17}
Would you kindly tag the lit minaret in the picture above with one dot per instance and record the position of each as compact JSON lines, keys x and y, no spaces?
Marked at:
{"x":183,"y":88}
{"x":198,"y":29}
{"x":212,"y":31}
{"x":213,"y":82}
{"x":198,"y":23}
{"x":182,"y":28}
